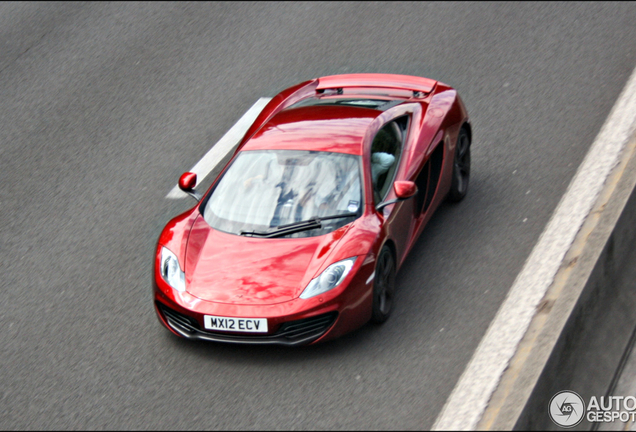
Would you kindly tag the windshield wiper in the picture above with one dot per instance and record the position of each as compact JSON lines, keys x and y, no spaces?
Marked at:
{"x":294,"y":227}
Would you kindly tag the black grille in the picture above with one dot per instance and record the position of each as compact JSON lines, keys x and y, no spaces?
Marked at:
{"x":290,"y":333}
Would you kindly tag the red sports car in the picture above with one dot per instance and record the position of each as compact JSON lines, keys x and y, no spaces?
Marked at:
{"x":299,"y":239}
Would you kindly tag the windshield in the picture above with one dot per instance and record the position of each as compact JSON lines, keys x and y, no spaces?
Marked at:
{"x":262,"y":190}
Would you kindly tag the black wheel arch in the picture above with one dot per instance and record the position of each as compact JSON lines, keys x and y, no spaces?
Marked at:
{"x":391,"y":245}
{"x":469,"y":130}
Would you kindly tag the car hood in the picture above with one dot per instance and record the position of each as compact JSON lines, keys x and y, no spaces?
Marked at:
{"x":228,"y":268}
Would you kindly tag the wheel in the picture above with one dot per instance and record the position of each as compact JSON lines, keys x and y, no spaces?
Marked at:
{"x":461,"y":168}
{"x":383,"y":286}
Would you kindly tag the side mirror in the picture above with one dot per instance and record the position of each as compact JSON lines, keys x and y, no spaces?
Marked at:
{"x":403,"y":190}
{"x":187,"y":182}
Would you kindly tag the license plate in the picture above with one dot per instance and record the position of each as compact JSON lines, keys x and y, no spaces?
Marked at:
{"x":250,"y":325}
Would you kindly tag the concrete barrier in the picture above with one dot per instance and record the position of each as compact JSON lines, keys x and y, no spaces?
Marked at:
{"x":585,"y":325}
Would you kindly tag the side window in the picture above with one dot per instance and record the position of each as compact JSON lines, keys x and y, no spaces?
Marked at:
{"x":385,"y":155}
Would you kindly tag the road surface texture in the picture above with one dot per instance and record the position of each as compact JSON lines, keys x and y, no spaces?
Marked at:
{"x":104,"y":105}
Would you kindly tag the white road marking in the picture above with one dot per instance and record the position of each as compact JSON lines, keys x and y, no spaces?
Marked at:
{"x":470,"y":397}
{"x":221,"y":148}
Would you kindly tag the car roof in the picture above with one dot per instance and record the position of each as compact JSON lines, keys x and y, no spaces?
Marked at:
{"x":317,"y":127}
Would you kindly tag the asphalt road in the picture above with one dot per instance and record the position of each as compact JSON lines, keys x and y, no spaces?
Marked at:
{"x":104,"y":105}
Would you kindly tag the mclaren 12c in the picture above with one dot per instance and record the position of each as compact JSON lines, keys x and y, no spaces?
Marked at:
{"x":299,"y":238}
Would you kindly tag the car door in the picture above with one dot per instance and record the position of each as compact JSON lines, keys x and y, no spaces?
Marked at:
{"x":387,"y":149}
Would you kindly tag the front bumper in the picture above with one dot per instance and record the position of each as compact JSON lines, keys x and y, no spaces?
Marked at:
{"x":296,"y":332}
{"x":294,"y":322}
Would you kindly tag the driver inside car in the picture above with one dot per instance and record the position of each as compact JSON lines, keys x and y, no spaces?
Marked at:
{"x":380,"y":163}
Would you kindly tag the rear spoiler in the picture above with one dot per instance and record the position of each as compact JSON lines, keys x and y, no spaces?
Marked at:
{"x":401,"y":82}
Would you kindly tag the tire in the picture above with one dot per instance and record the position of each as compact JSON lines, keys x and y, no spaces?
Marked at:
{"x":461,"y":168}
{"x":383,"y":286}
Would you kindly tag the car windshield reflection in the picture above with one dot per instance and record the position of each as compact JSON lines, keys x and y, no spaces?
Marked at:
{"x":263,"y":190}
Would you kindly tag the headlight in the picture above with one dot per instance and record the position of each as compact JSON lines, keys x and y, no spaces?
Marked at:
{"x":329,"y":279}
{"x":171,"y":271}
